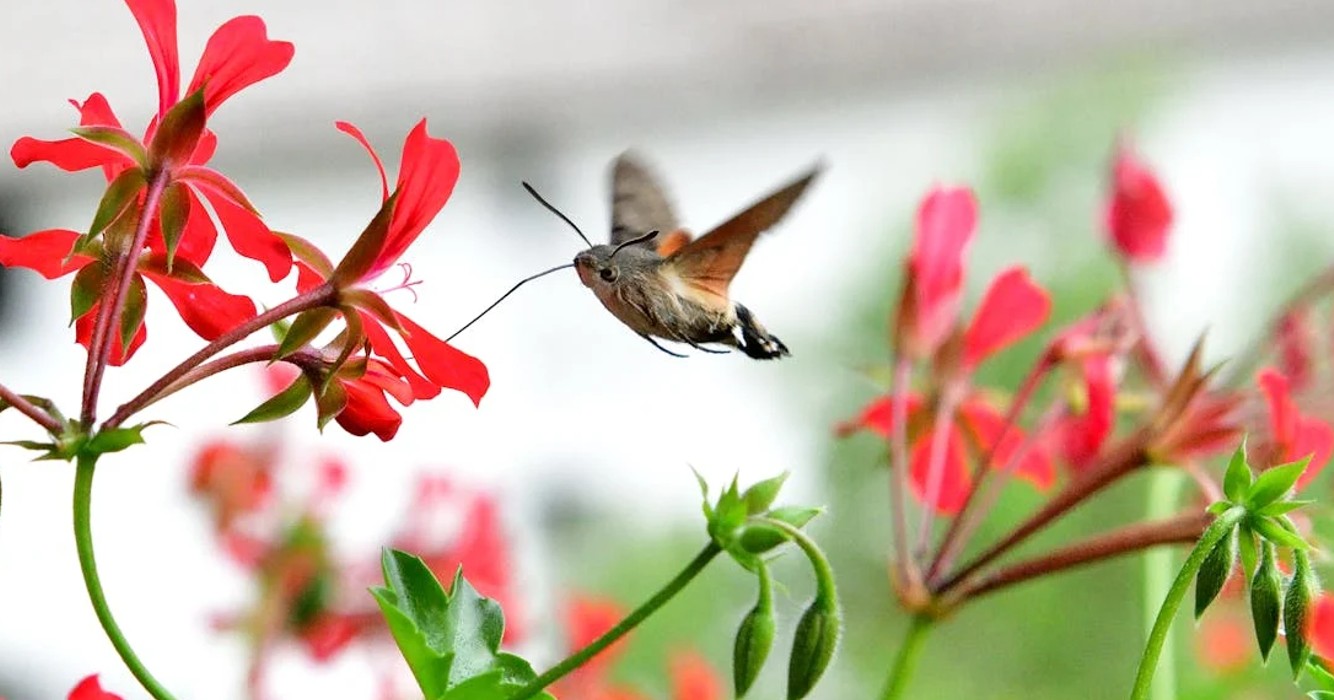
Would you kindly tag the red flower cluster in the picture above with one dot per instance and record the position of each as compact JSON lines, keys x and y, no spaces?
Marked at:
{"x":588,"y":618}
{"x":159,"y":184}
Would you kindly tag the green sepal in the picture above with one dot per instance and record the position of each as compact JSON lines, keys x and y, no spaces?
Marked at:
{"x":373,"y":304}
{"x":367,"y":248}
{"x":329,"y":402}
{"x":178,"y":133}
{"x":306,"y":252}
{"x":761,"y":495}
{"x":115,"y":138}
{"x":132,"y":314}
{"x":728,"y":514}
{"x":1274,"y":482}
{"x":1278,"y":508}
{"x":1271,"y":530}
{"x":704,"y":494}
{"x":89,"y":284}
{"x":1266,"y":600}
{"x":1301,"y":592}
{"x":305,"y":327}
{"x":118,"y":197}
{"x":1238,"y":479}
{"x":212,"y":180}
{"x":174,"y":212}
{"x":284,"y":404}
{"x":1247,"y":550}
{"x":1215,"y":571}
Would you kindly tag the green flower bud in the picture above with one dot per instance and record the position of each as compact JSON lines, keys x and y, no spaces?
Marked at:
{"x":1302,"y":589}
{"x":754,"y":638}
{"x":1214,"y":572}
{"x":1266,"y":600}
{"x":813,"y":647}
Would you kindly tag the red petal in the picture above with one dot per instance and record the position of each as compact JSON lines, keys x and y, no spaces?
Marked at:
{"x":1316,"y":438}
{"x":367,"y":411}
{"x":383,"y":345}
{"x":1013,"y":307}
{"x":694,"y":679}
{"x":986,"y":425}
{"x":43,"y":252}
{"x":586,"y":619}
{"x":83,"y":332}
{"x":946,"y":221}
{"x":250,"y":237}
{"x":381,"y":375}
{"x":206,"y":309}
{"x":96,"y":111}
{"x":1082,"y":436}
{"x":1320,"y":626}
{"x":1139,"y":215}
{"x":426,"y":178}
{"x":351,"y":130}
{"x":90,"y":689}
{"x":1295,"y":340}
{"x":238,"y":54}
{"x":878,"y":416}
{"x":70,"y":155}
{"x":199,"y":237}
{"x":328,"y":635}
{"x":157,"y":19}
{"x":955,"y":481}
{"x":1282,"y":411}
{"x":444,"y":364}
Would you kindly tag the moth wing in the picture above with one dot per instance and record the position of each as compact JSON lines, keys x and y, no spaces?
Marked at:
{"x":709,"y":263}
{"x":639,"y":203}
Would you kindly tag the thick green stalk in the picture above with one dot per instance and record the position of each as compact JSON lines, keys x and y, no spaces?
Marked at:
{"x":1158,"y":635}
{"x":640,"y":614}
{"x":906,"y":661}
{"x":1164,"y":491}
{"x":83,"y":541}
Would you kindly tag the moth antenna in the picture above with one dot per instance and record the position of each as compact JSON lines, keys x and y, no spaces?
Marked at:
{"x":646,"y":237}
{"x":513,"y":289}
{"x":556,"y":211}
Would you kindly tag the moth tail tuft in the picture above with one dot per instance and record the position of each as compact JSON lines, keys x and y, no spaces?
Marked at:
{"x":757,"y":342}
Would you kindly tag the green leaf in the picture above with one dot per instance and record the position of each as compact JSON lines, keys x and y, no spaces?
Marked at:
{"x":1316,"y":671}
{"x":89,"y":283}
{"x":1272,"y":531}
{"x":175,"y":211}
{"x":119,"y":196}
{"x":1266,"y":600}
{"x":115,"y":138}
{"x":1238,"y":479}
{"x":178,"y":133}
{"x":450,"y":641}
{"x":761,"y":495}
{"x":368,"y":246}
{"x":1215,"y":571}
{"x":1302,"y":590}
{"x":132,"y":315}
{"x":284,"y":404}
{"x":1274,"y":482}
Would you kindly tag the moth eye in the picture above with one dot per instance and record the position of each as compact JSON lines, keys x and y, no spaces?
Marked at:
{"x":607,"y":274}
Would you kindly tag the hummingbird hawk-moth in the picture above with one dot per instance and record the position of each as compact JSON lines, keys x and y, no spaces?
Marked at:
{"x":662,"y":283}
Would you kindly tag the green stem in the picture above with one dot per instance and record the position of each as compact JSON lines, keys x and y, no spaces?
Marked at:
{"x":906,"y":661}
{"x":83,"y":540}
{"x":1158,"y":635}
{"x":825,"y":590}
{"x":1164,"y":490}
{"x":640,"y":614}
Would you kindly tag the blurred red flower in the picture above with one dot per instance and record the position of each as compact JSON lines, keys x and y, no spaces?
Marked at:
{"x":1138,"y":214}
{"x":1292,"y":435}
{"x":946,"y":221}
{"x":90,"y":689}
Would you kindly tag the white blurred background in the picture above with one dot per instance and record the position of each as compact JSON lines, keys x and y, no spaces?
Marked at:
{"x":728,"y":100}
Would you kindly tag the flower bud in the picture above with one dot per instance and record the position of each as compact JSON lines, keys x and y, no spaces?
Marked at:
{"x":1214,"y":572}
{"x":1266,"y":600}
{"x":754,"y":638}
{"x":813,"y":647}
{"x":1302,"y":589}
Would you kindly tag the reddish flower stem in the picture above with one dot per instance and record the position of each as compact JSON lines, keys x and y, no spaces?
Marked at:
{"x":898,"y":479}
{"x":946,"y":407}
{"x":1120,"y":460}
{"x":1183,"y":529}
{"x":320,"y":296}
{"x":263,"y":353}
{"x":109,"y":312}
{"x":963,"y":523}
{"x":1311,"y":292}
{"x":1148,"y":355}
{"x":28,"y":409}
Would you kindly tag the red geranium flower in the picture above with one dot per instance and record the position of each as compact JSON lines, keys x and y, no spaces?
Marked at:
{"x":427,"y":173}
{"x":90,"y":689}
{"x":1320,"y":626}
{"x":946,"y":222}
{"x":1139,"y":214}
{"x":1013,"y":307}
{"x":1292,"y":436}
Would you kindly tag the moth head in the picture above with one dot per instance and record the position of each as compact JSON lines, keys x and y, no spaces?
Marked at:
{"x":602,"y":265}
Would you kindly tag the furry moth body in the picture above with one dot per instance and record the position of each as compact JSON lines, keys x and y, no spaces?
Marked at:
{"x":661,"y":283}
